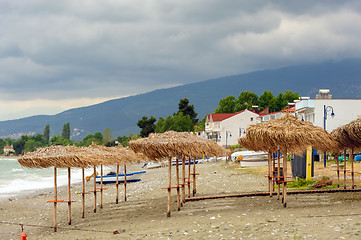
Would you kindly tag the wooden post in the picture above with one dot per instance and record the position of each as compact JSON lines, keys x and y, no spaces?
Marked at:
{"x":194,"y":177}
{"x":278,"y":175}
{"x":189,"y":177}
{"x":169,"y":184}
{"x":101,"y":186}
{"x":352,"y":169}
{"x":125,"y":182}
{"x":55,"y":197}
{"x":269,"y":173}
{"x":69,"y":198}
{"x":184,"y":179}
{"x":338,"y":170}
{"x":117,"y":185}
{"x":83,"y":193}
{"x":284,"y":188}
{"x":95,"y":190}
{"x":273,"y":171}
{"x":177,"y":176}
{"x":344,"y":169}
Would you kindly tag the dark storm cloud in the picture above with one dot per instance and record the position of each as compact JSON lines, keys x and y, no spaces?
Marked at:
{"x":75,"y":49}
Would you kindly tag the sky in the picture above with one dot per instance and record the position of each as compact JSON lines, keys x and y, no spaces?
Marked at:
{"x":57,"y":55}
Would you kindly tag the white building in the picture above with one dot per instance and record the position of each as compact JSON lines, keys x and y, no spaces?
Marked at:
{"x":226,"y":128}
{"x":265,"y":117}
{"x":336,"y":111}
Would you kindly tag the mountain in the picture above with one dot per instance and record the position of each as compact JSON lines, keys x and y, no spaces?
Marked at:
{"x":121,"y":115}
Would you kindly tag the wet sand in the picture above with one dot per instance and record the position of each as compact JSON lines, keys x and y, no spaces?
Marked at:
{"x":143,"y":216}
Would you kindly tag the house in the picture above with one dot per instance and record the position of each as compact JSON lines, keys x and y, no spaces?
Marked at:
{"x":326,"y":112}
{"x":226,"y":128}
{"x":265,"y":115}
{"x":8,"y":150}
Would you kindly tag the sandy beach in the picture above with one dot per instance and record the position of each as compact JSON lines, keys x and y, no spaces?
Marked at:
{"x":143,"y":215}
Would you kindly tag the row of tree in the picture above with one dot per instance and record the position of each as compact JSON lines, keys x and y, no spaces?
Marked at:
{"x":247,"y":99}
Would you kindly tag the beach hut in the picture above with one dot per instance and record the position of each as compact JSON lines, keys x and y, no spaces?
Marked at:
{"x":285,"y":135}
{"x":176,"y":144}
{"x":348,"y":137}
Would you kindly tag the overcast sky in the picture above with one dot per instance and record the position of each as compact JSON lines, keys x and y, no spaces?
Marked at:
{"x":56,"y":55}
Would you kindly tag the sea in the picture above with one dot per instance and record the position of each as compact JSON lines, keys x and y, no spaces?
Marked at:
{"x":16,"y":180}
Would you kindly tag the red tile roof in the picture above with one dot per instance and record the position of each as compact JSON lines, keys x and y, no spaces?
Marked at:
{"x":218,"y":117}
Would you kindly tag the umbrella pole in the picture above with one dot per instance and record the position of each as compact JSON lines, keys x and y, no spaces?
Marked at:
{"x":278,"y":175}
{"x":273,"y":171}
{"x":177,"y":176}
{"x":169,"y":184}
{"x":338,"y":170}
{"x":69,"y":198}
{"x":83,"y":194}
{"x":194,"y":177}
{"x":269,"y":173}
{"x":352,"y":169}
{"x":117,"y":185}
{"x":284,"y":188}
{"x":125,"y":182}
{"x":184,"y":179}
{"x":101,"y":186}
{"x":95,"y":191}
{"x":344,"y":169}
{"x":55,"y":198}
{"x":189,"y":177}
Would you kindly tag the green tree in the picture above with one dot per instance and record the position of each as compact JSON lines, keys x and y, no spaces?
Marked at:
{"x":187,"y":110}
{"x":226,"y":105}
{"x":31,"y":145}
{"x":66,"y":131}
{"x":177,"y":122}
{"x":90,"y":138}
{"x":146,"y":125}
{"x":46,"y":135}
{"x":19,"y":145}
{"x":267,"y":100}
{"x":246,"y":100}
{"x":108,"y":137}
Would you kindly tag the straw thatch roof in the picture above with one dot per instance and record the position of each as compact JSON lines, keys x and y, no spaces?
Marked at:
{"x":81,"y":157}
{"x":160,"y":145}
{"x":289,"y":134}
{"x":348,"y":135}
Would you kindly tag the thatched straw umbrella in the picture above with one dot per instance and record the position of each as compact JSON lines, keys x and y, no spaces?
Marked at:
{"x":289,"y":135}
{"x":348,"y":137}
{"x":57,"y":157}
{"x":179,"y":144}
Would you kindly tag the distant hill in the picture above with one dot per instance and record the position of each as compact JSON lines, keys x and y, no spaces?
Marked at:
{"x":121,"y":115}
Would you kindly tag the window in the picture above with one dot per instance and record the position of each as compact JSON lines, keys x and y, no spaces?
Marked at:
{"x":251,"y":119}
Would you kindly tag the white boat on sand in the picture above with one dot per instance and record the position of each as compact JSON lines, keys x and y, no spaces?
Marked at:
{"x":112,"y":178}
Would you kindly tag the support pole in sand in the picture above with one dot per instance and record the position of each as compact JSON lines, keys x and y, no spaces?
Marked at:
{"x":184,"y":179}
{"x":189,"y":177}
{"x":284,"y":187}
{"x":69,"y":198}
{"x":278,"y":175}
{"x":273,"y":171}
{"x":125,"y":182}
{"x":269,"y":173}
{"x":194,"y":177}
{"x":169,"y":183}
{"x":55,"y":197}
{"x":338,"y":170}
{"x":101,"y":186}
{"x":177,"y":176}
{"x":117,"y":185}
{"x":83,"y":193}
{"x":352,"y":169}
{"x":344,"y":169}
{"x":95,"y":191}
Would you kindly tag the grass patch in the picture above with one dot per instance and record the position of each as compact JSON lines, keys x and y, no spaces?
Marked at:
{"x":301,"y":183}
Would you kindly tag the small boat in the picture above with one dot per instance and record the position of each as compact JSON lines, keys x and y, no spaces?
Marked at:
{"x":248,"y":155}
{"x":357,"y":158}
{"x":186,"y":162}
{"x":112,"y":178}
